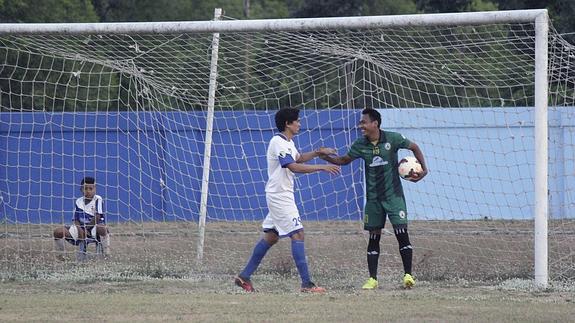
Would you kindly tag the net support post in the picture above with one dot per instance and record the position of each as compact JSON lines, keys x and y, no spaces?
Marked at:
{"x":208,"y":139}
{"x":541,"y":208}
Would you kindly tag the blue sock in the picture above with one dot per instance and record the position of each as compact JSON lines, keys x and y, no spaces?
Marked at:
{"x":81,"y":254}
{"x":257,"y":255}
{"x":298,"y":253}
{"x":82,"y":246}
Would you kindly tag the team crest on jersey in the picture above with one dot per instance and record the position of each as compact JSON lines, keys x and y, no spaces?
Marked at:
{"x":283,"y":154}
{"x":387,"y":146}
{"x":378,"y":161}
{"x":402,"y":214}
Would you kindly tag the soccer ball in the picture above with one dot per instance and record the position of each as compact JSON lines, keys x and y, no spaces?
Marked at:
{"x":408,"y":164}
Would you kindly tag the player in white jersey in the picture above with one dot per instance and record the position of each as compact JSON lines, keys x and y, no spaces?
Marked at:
{"x":283,"y":219}
{"x":88,"y":223}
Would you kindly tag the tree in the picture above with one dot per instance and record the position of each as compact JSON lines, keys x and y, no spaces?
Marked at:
{"x":185,"y":10}
{"x":388,"y":7}
{"x":326,"y":8}
{"x":37,"y":11}
{"x":561,"y":12}
{"x":440,"y":6}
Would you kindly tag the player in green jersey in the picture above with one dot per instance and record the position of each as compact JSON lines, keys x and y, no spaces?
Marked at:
{"x":384,"y":193}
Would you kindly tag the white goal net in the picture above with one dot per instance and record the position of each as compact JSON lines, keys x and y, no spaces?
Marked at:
{"x":129,"y":105}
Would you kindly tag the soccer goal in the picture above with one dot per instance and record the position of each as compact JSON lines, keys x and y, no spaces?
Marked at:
{"x":173,"y":118}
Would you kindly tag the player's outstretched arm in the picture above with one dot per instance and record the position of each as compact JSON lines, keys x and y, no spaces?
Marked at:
{"x":302,"y":168}
{"x":313,"y":154}
{"x":336,"y":160}
{"x":419,"y":155}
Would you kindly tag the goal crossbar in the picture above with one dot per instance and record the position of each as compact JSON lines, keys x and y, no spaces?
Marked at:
{"x":299,"y":24}
{"x":538,"y":17}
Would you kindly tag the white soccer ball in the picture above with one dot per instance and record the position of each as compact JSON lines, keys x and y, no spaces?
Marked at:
{"x":408,"y":164}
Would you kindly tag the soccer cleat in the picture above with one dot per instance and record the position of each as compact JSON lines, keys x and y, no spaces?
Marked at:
{"x":408,"y":281}
{"x":312,"y":288}
{"x":246,"y":284}
{"x":371,"y":283}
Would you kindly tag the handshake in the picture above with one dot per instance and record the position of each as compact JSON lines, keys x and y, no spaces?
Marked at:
{"x":329,"y":155}
{"x":324,"y":152}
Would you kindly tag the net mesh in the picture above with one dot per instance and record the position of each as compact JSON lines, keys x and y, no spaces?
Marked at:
{"x":131,"y":111}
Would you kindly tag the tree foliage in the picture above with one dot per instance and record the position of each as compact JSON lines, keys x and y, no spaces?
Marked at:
{"x":47,"y":11}
{"x":184,"y":10}
{"x":439,"y":6}
{"x":61,"y":79}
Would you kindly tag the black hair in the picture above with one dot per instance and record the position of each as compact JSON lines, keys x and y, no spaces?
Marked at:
{"x":373,"y":115}
{"x":286,"y":116}
{"x":88,"y":180}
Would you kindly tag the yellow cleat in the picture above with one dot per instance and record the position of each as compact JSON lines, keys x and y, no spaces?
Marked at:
{"x":408,"y":281}
{"x":371,"y":283}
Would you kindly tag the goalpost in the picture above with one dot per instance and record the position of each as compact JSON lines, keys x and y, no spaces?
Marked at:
{"x":173,"y":119}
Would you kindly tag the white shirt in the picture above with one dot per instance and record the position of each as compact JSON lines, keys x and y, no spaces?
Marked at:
{"x":281,"y":153}
{"x":86,"y":212}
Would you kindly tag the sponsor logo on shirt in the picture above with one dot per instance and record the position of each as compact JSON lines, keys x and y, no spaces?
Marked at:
{"x":378,"y":161}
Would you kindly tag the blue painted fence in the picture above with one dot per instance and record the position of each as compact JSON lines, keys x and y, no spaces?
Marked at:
{"x":148,"y":165}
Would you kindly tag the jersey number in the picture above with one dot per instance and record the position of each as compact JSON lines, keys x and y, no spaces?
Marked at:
{"x":296,"y":221}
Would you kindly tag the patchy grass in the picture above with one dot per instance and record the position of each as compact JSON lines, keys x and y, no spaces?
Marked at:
{"x":216,"y":299}
{"x":470,"y":270}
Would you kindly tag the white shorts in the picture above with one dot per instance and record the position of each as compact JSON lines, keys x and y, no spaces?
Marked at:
{"x":283,"y":215}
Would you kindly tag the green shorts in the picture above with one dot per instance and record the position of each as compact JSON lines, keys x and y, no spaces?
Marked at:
{"x":375,"y":213}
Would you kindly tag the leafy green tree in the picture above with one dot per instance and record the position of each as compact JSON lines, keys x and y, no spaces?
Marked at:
{"x":29,"y":80}
{"x":38,"y":11}
{"x":388,"y":7}
{"x":326,"y":8}
{"x":442,"y":6}
{"x":184,"y":10}
{"x":265,"y":9}
{"x":561,"y":12}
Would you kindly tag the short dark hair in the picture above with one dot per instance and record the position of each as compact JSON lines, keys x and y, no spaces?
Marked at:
{"x":373,"y":115}
{"x":88,"y":180}
{"x":286,"y":115}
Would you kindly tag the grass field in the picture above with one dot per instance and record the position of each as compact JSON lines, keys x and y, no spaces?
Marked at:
{"x":465,"y":271}
{"x":216,"y":299}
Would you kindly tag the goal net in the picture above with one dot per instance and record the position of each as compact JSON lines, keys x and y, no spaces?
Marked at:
{"x":130,"y":105}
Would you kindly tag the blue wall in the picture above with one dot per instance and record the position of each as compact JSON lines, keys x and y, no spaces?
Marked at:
{"x":148,"y":164}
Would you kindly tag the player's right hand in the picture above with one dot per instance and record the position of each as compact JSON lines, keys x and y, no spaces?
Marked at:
{"x":332,"y":169}
{"x":325,"y":151}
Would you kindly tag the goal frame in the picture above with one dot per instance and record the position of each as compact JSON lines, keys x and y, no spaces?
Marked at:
{"x":537,"y":16}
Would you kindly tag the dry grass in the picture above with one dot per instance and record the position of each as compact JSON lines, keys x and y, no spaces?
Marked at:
{"x":484,"y":251}
{"x":473,"y":270}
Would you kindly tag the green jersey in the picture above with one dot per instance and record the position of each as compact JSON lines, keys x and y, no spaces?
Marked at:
{"x":382,"y":180}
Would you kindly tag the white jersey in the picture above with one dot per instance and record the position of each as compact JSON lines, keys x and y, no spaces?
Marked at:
{"x":84,"y":213}
{"x":281,"y":153}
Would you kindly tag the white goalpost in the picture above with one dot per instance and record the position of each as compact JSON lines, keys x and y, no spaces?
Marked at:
{"x":173,"y":119}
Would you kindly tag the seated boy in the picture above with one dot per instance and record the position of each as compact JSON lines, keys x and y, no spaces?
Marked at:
{"x":89,"y":223}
